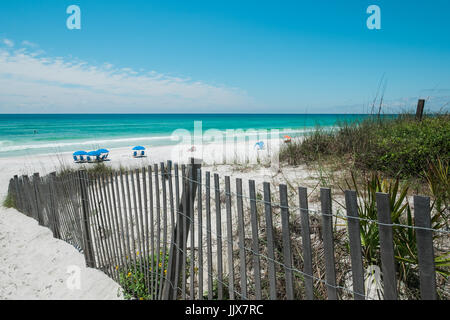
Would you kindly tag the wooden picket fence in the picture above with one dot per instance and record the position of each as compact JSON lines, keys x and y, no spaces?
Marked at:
{"x":158,"y":227}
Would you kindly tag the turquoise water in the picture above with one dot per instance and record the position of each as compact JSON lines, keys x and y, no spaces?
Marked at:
{"x":29,"y":134}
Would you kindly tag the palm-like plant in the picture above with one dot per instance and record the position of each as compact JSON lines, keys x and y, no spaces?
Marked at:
{"x":404,"y":236}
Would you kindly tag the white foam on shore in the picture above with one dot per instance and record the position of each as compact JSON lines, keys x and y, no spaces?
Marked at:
{"x":9,"y":146}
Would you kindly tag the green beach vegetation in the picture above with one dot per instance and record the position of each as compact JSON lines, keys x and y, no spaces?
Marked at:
{"x":397,"y":146}
{"x":400,"y":156}
{"x":9,"y":201}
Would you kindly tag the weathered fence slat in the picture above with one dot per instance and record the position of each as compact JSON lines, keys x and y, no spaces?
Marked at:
{"x":158,"y":230}
{"x":327,"y":227}
{"x":255,"y":242}
{"x":168,"y":285}
{"x":164,"y":211}
{"x":185,"y":212}
{"x":146,"y":232}
{"x":192,"y":236}
{"x":178,"y":234}
{"x":119,"y":217}
{"x":152,"y":234}
{"x":270,"y":241}
{"x":67,"y":229}
{"x":139,"y":215}
{"x":142,"y":250}
{"x":107,"y":225}
{"x":306,"y":242}
{"x":200,"y":234}
{"x":110,"y":225}
{"x":36,"y":179}
{"x":386,"y":246}
{"x":100,"y":250}
{"x":54,"y":211}
{"x":102,"y":228}
{"x":30,"y":207}
{"x":17,"y":193}
{"x":229,"y":238}
{"x":355,"y":244}
{"x":287,"y":255}
{"x":241,"y":231}
{"x":125,"y":220}
{"x":135,"y":215}
{"x":219,"y":238}
{"x":208,"y":235}
{"x":172,"y":232}
{"x":87,"y":248}
{"x":425,"y":251}
{"x":131,"y":222}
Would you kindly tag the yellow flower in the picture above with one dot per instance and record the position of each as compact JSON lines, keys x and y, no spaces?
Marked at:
{"x":117,"y":267}
{"x":129,"y":274}
{"x":195,"y":269}
{"x":165,"y":271}
{"x":141,"y":298}
{"x":160,"y":264}
{"x":137,"y":253}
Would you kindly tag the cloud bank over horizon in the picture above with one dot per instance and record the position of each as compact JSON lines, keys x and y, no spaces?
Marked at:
{"x":33,"y":82}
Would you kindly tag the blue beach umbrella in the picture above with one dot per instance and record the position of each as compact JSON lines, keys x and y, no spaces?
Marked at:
{"x":259,"y":145}
{"x":139,"y":148}
{"x":103,"y":150}
{"x":80,"y":153}
{"x":93,"y":153}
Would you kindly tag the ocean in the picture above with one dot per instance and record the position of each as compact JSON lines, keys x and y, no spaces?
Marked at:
{"x":30,"y":134}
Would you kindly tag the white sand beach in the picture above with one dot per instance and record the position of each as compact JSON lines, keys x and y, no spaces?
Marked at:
{"x":34,"y":265}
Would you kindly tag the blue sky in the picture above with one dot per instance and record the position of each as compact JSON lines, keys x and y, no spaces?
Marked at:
{"x":222,"y":56}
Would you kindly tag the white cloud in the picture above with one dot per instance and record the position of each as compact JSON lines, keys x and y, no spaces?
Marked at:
{"x":8,"y":43}
{"x":31,"y":82}
{"x":30,"y":44}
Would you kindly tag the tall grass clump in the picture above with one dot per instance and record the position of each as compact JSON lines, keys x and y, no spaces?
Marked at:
{"x":10,"y":201}
{"x":396,"y":145}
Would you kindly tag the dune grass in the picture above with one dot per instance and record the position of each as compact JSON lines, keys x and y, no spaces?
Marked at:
{"x":397,"y":146}
{"x":9,"y":201}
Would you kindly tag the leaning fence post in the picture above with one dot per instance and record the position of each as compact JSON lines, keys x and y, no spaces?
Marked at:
{"x":425,"y":250}
{"x":386,"y":246}
{"x":88,"y":249}
{"x":184,"y":209}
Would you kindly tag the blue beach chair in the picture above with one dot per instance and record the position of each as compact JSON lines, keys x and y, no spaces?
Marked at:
{"x":78,"y":156}
{"x":139,"y":154}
